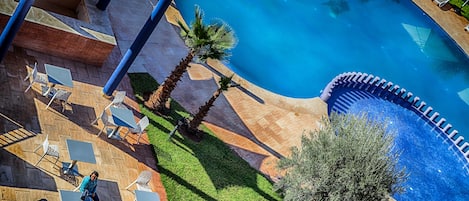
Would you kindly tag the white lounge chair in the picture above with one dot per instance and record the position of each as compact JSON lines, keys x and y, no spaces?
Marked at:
{"x":141,"y":125}
{"x":465,"y":2}
{"x":62,"y":96}
{"x":142,"y":181}
{"x":51,"y":150}
{"x":107,"y":122}
{"x":35,"y":77}
{"x":441,"y":3}
{"x":118,"y":100}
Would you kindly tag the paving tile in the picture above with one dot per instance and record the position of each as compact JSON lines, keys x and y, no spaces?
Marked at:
{"x":7,"y":193}
{"x":17,"y":142}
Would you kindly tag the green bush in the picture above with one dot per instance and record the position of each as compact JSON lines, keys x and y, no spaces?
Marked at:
{"x":349,"y":158}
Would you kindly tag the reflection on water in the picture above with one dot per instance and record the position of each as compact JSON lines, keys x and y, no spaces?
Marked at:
{"x":337,"y":7}
{"x":297,"y":58}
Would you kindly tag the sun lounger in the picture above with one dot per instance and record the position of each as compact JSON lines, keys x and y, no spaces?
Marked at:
{"x":465,"y":2}
{"x":441,"y":3}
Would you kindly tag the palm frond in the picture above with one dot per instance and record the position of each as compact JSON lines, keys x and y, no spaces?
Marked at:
{"x":184,"y":29}
{"x":209,"y":41}
{"x":225,"y":82}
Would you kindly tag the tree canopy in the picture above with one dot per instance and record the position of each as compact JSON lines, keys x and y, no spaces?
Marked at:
{"x":208,"y":41}
{"x":348,"y":158}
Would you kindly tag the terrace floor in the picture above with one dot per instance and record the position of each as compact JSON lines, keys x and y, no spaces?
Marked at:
{"x":258,"y":125}
{"x":24,"y":123}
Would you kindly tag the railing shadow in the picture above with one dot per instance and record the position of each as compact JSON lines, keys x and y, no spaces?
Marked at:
{"x":18,"y":117}
{"x":186,"y":184}
{"x":12,"y":131}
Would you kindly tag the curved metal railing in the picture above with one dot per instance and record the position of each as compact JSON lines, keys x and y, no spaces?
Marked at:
{"x":394,"y":93}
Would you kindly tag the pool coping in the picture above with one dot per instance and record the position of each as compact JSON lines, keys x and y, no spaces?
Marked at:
{"x":452,"y":23}
{"x":394,"y":93}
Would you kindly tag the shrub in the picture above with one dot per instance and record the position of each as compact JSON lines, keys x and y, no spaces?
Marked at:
{"x":350,"y":158}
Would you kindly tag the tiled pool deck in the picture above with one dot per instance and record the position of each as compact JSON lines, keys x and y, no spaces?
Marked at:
{"x":258,"y":125}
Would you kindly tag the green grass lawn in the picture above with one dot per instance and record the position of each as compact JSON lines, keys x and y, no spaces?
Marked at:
{"x":464,"y":10}
{"x":206,"y":170}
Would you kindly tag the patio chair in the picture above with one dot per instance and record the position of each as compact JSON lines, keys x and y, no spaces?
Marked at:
{"x":118,"y":100}
{"x":441,"y":3}
{"x":142,"y":181}
{"x":62,"y":96}
{"x":465,"y":2}
{"x":35,"y":77}
{"x":107,"y":122}
{"x":47,"y":91}
{"x":48,"y":149}
{"x":141,"y":125}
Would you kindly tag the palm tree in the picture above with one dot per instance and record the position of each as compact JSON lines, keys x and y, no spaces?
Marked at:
{"x":204,"y":42}
{"x":225,"y":84}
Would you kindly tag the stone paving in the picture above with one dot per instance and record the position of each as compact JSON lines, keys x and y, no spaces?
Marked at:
{"x":24,"y":123}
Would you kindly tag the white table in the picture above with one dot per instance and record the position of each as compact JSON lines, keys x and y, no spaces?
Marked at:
{"x":146,"y":196}
{"x":58,"y":75}
{"x":122,"y":117}
{"x":78,"y":151}
{"x":69,"y":195}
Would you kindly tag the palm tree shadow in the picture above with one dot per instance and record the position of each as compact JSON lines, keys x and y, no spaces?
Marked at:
{"x":183,"y":182}
{"x":337,"y":7}
{"x":240,"y":87}
{"x":223,"y":174}
{"x":233,"y":171}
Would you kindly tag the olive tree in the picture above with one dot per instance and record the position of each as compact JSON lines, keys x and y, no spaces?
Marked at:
{"x":348,"y":158}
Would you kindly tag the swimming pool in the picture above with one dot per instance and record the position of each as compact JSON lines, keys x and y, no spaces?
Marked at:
{"x":423,"y":148}
{"x":294,"y":48}
{"x":423,"y":153}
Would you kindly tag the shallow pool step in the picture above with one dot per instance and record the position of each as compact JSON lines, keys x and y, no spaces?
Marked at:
{"x":342,"y":103}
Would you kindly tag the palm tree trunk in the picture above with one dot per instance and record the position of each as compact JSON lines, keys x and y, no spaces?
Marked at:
{"x":203,"y":110}
{"x":160,"y":96}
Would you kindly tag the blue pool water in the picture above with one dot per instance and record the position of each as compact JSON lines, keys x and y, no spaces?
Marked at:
{"x":423,"y":153}
{"x":295,"y":47}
